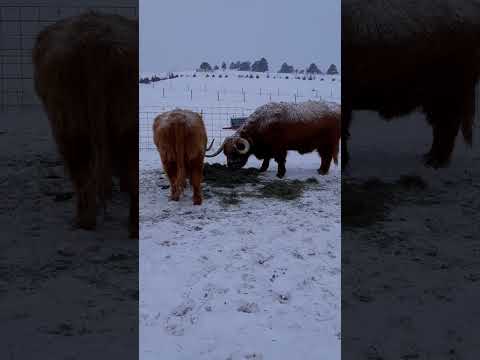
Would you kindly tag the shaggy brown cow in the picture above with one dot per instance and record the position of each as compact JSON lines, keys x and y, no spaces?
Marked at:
{"x":403,"y":56}
{"x":85,"y":73}
{"x":275,"y":128}
{"x":181,"y":140}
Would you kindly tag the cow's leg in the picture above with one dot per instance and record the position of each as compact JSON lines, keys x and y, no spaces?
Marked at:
{"x":107,"y":181}
{"x":346,"y":121}
{"x":85,"y":188}
{"x":196,"y":176}
{"x":326,"y":156}
{"x":124,"y":182}
{"x":265,"y":164}
{"x":281,"y":159}
{"x":445,"y":121}
{"x":171,"y":171}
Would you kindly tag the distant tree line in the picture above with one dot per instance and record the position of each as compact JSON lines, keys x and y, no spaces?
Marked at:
{"x":257,"y":66}
{"x":155,"y":78}
{"x":262,"y":66}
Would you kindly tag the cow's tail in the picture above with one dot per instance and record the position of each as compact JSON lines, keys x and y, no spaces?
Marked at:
{"x":180,"y":155}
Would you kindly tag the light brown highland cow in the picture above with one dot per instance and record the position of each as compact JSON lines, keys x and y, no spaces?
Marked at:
{"x":181,"y":140}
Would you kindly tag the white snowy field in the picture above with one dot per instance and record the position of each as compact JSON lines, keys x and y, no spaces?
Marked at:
{"x":201,"y":90}
{"x":257,"y":279}
{"x":219,"y":99}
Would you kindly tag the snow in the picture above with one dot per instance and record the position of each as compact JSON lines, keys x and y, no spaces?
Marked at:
{"x":423,"y":302}
{"x":215,"y":91}
{"x":51,"y":269}
{"x":255,"y":280}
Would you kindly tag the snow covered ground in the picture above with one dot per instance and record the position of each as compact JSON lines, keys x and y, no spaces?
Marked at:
{"x":64,"y":289}
{"x":255,"y":280}
{"x":414,"y":249}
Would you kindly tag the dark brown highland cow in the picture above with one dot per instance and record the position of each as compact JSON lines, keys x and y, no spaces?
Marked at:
{"x":181,"y":140}
{"x":400,"y":56}
{"x":86,"y":74}
{"x":274,"y":129}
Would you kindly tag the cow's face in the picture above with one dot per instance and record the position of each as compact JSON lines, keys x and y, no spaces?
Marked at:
{"x":237,"y":152}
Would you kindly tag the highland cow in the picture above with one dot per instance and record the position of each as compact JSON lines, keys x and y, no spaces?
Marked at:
{"x":181,"y":140}
{"x":274,"y":129}
{"x":404,"y":56}
{"x":85,"y":73}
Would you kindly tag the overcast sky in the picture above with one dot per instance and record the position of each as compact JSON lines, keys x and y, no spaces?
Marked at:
{"x":178,"y":35}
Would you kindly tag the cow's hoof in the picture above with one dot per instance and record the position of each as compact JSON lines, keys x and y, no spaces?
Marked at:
{"x":322,"y":171}
{"x":197,"y":201}
{"x":432,"y":161}
{"x":280,"y":175}
{"x":175,"y":198}
{"x":86,"y":223}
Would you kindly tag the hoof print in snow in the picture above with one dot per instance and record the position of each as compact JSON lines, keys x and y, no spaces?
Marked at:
{"x":183,"y":309}
{"x":254,"y":356}
{"x":283,"y":298}
{"x":248,"y":308}
{"x":168,"y":243}
{"x":297,"y":255}
{"x":263,"y":260}
{"x":175,"y":329}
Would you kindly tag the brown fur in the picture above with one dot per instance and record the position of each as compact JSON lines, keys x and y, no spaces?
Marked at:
{"x":181,"y":139}
{"x":85,"y":73}
{"x":273,"y":137}
{"x":400,"y":57}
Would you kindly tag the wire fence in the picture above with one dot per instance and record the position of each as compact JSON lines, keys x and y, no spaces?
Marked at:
{"x":216,"y":119}
{"x":182,"y":90}
{"x":19,"y":26}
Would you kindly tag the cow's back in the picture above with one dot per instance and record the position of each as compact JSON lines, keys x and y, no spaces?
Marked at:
{"x":297,"y":129}
{"x":180,"y":128}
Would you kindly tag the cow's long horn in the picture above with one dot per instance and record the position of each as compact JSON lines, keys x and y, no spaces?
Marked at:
{"x":219,"y":150}
{"x":209,"y":147}
{"x":245,"y":143}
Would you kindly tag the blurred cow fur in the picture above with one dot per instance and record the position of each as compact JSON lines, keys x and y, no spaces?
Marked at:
{"x":86,"y":74}
{"x":400,"y":56}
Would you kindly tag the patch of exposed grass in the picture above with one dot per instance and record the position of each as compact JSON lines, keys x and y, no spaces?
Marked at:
{"x":283,"y":189}
{"x":218,"y":175}
{"x":412,"y":182}
{"x":370,"y":202}
{"x":366,"y":203}
{"x":312,"y":180}
{"x":230,"y":198}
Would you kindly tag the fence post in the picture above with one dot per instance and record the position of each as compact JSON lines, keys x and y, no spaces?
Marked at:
{"x":270,"y":97}
{"x":191,"y":94}
{"x":278,"y":92}
{"x":295,"y":98}
{"x":163,"y":92}
{"x":244,"y":97}
{"x":218,"y":95}
{"x":260,"y":91}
